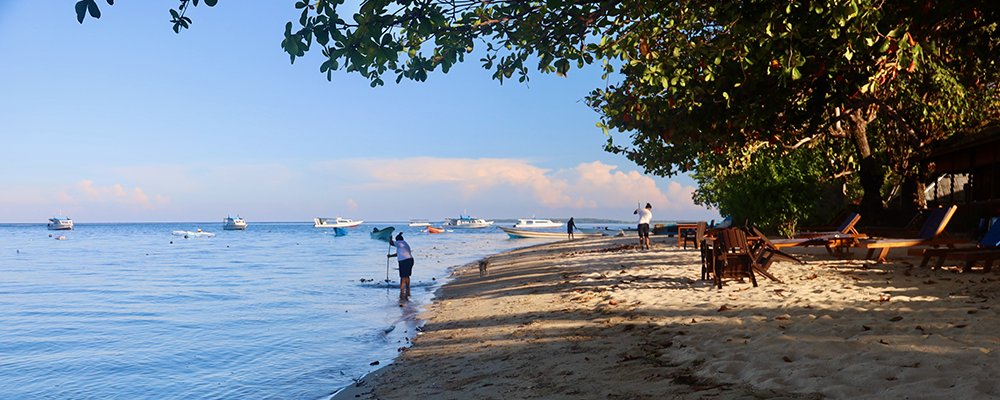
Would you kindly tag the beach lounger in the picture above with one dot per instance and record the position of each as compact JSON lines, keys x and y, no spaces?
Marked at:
{"x":932,"y":234}
{"x":845,"y":236}
{"x":987,"y":251}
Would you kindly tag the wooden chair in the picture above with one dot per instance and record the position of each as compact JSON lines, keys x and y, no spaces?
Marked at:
{"x":695,"y":236}
{"x":732,"y":257}
{"x":932,"y":234}
{"x":987,"y":251}
{"x":767,"y":253}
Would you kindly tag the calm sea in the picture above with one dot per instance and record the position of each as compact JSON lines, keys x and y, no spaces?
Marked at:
{"x":279,"y":311}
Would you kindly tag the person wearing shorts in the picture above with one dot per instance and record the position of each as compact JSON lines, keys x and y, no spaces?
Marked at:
{"x":645,"y":217}
{"x":405,"y":259}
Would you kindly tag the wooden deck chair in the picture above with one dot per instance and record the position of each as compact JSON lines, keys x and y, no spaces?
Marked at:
{"x":845,"y":236}
{"x":695,"y":236}
{"x":930,"y":235}
{"x":733,"y":257}
{"x":846,"y":228}
{"x":987,"y":251}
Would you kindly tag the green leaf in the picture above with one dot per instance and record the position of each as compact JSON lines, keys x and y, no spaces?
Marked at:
{"x":796,"y":75}
{"x":211,"y":3}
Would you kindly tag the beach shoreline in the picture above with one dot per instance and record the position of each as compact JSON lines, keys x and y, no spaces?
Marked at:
{"x":599,"y":319}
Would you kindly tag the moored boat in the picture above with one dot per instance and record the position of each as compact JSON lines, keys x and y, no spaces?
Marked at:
{"x":339,"y":232}
{"x":234,"y":224}
{"x":60,"y":224}
{"x":515,"y":233}
{"x":383,"y":234}
{"x":532,"y":223}
{"x":419,"y":222}
{"x":467,"y":222}
{"x":335,"y":222}
{"x":431,"y":229}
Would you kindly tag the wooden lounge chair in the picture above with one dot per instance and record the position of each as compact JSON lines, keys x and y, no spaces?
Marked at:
{"x":695,"y":236}
{"x":987,"y":251}
{"x":932,"y":234}
{"x":846,"y":235}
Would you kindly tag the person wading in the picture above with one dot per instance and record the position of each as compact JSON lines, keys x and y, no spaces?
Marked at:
{"x":570,"y":226}
{"x":405,"y":259}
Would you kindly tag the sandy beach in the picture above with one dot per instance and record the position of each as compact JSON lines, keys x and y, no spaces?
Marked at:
{"x":600,"y":319}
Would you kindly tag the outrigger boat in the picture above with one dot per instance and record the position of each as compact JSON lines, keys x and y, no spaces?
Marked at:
{"x":515,"y":233}
{"x":335,"y":222}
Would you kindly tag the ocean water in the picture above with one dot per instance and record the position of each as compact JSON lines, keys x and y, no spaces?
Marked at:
{"x":279,"y":311}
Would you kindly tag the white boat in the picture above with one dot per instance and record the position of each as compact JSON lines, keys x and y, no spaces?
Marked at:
{"x":467,"y":222}
{"x":193,"y":234}
{"x":419,"y":222}
{"x":234,"y":224}
{"x":515,"y":233}
{"x":335,"y":222}
{"x":531,"y":223}
{"x":60,"y":224}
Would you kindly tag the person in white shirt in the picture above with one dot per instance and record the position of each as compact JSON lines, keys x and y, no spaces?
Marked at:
{"x":645,"y":217}
{"x":405,"y":259}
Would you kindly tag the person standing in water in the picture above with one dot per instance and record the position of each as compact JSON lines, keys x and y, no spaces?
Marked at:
{"x":645,"y":217}
{"x":405,"y":259}
{"x":570,"y":226}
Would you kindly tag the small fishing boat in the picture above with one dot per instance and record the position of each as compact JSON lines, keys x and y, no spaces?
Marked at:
{"x":531,"y":223}
{"x":193,"y":234}
{"x":335,"y":222}
{"x":467,"y":222}
{"x":234,"y":224}
{"x":339,"y":232}
{"x":431,"y":229}
{"x":515,"y":233}
{"x":419,"y":222}
{"x":383,"y":234}
{"x":60,"y":224}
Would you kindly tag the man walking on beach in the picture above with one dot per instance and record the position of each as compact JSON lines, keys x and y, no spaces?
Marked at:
{"x":645,"y":217}
{"x":570,"y":226}
{"x":405,"y":259}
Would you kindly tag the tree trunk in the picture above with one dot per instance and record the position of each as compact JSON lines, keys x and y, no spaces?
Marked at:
{"x":870,"y":174}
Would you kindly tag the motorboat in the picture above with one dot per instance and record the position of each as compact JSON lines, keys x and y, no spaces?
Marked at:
{"x":467,"y":222}
{"x":384,"y":234}
{"x":531,"y":223}
{"x":60,"y":224}
{"x":431,"y":229}
{"x":339,"y":232}
{"x":515,"y":233}
{"x":193,"y":234}
{"x":335,"y":222}
{"x":419,"y":222}
{"x":234,"y":224}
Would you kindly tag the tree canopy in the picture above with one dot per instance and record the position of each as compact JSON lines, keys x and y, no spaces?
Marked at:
{"x":709,"y":86}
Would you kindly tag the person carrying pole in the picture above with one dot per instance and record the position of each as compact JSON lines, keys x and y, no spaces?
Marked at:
{"x":405,"y":259}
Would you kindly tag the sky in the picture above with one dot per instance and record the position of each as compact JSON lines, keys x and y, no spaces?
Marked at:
{"x":122,"y":120}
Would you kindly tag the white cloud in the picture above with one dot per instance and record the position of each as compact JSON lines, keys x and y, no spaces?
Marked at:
{"x":86,"y":191}
{"x":590,"y":186}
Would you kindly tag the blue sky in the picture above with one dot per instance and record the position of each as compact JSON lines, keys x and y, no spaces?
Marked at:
{"x":121,"y":119}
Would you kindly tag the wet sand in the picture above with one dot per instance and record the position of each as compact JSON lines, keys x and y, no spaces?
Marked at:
{"x":600,"y":319}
